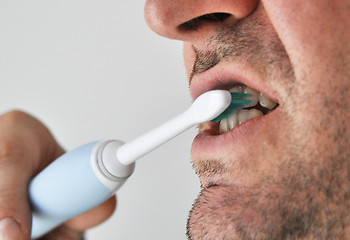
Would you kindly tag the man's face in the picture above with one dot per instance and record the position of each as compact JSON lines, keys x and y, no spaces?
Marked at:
{"x":286,"y":174}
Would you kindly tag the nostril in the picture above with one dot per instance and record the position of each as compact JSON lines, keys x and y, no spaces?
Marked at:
{"x":196,"y":23}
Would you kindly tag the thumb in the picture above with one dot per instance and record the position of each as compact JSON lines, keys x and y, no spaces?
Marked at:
{"x":26,"y":146}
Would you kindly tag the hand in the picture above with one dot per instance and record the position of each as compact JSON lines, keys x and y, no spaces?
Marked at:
{"x":27,"y":147}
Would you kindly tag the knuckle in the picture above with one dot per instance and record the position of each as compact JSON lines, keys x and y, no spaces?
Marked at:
{"x":19,"y":121}
{"x":14,"y":116}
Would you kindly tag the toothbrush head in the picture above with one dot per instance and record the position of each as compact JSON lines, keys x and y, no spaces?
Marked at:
{"x":209,"y":105}
{"x":238,"y":101}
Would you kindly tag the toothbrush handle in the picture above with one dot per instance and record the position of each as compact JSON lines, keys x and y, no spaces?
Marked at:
{"x":66,"y":188}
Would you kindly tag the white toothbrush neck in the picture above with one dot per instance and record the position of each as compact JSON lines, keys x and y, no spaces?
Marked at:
{"x":133,"y":150}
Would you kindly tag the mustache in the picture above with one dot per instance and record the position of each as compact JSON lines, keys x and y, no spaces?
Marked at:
{"x":204,"y":61}
{"x":251,"y":40}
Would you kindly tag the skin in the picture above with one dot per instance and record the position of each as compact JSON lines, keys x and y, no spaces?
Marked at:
{"x":289,"y":181}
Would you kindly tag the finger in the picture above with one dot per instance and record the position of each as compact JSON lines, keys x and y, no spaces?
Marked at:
{"x":94,"y":216}
{"x":26,"y":146}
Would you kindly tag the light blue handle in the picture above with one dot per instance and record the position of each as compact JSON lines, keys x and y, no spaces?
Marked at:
{"x":66,"y":188}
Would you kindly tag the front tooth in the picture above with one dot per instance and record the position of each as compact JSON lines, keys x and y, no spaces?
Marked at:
{"x":224,"y":127}
{"x":233,"y":120}
{"x":254,"y":98}
{"x":266,"y":102}
{"x":243,"y":116}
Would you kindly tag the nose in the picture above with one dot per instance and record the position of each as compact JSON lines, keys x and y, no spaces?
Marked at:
{"x":189,"y":19}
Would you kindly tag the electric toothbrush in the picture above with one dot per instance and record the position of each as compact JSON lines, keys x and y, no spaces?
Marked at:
{"x":89,"y":175}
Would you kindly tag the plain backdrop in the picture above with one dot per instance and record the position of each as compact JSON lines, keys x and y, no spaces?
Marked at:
{"x":92,"y":70}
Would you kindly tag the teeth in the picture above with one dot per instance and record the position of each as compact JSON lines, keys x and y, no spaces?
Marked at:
{"x":244,"y":115}
{"x":238,"y":118}
{"x":254,"y":98}
{"x":254,"y":113}
{"x":266,"y":102}
{"x":224,"y":127}
{"x":238,"y":88}
{"x":233,"y":120}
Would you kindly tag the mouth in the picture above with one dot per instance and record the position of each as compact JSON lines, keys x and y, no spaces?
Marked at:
{"x":234,"y":143}
{"x":263,"y":99}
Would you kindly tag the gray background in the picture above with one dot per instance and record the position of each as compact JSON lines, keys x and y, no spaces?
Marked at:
{"x":93,"y":70}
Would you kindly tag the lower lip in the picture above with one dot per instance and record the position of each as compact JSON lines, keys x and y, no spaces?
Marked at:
{"x":246,"y":135}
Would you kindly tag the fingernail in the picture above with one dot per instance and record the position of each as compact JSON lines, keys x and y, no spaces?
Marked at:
{"x":9,"y":229}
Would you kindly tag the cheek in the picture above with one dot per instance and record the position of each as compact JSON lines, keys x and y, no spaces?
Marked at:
{"x":189,"y":57}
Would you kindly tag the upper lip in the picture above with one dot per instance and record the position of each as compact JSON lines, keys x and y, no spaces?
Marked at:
{"x":225,"y":75}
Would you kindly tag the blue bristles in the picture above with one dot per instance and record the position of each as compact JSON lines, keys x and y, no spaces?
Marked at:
{"x":238,"y":102}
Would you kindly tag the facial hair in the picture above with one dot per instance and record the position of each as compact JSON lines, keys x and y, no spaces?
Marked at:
{"x":308,"y":194}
